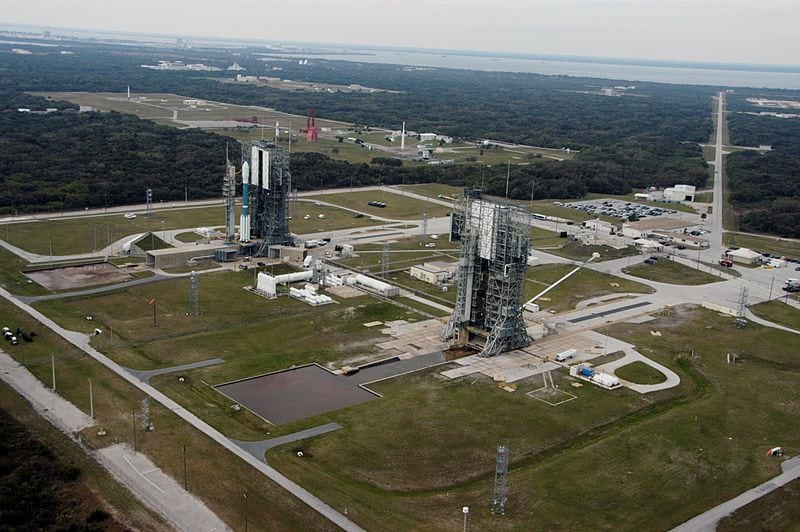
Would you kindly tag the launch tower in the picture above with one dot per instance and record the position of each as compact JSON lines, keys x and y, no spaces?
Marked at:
{"x":266,"y":184}
{"x":491,"y":274}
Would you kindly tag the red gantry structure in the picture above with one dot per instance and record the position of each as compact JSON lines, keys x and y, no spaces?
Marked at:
{"x":311,"y":130}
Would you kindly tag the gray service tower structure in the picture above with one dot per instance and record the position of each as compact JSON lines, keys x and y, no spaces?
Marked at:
{"x":491,"y":274}
{"x":266,"y":185}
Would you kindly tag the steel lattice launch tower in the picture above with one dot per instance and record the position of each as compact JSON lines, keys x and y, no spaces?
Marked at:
{"x":491,"y":274}
{"x":266,"y":184}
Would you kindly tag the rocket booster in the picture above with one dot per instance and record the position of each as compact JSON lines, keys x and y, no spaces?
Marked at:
{"x":244,"y":220}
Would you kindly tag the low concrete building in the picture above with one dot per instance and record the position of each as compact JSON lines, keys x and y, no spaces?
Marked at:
{"x":174,"y":257}
{"x":649,"y":226}
{"x":679,"y":193}
{"x":648,"y":246}
{"x":744,"y":256}
{"x":683,"y":239}
{"x":433,"y":272}
{"x":600,"y":226}
{"x":288,"y":254}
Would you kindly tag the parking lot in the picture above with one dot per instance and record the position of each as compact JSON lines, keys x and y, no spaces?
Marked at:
{"x":620,"y":209}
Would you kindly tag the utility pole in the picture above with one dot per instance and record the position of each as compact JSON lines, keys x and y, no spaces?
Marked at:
{"x":133,"y":414}
{"x":245,"y":511}
{"x":91,"y":400}
{"x":185,"y":478}
{"x":53,"y":367}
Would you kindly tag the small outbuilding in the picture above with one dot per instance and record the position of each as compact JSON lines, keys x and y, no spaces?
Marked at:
{"x":744,"y":256}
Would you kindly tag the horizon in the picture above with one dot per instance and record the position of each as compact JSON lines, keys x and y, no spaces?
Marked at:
{"x":715,"y":32}
{"x":355,"y":47}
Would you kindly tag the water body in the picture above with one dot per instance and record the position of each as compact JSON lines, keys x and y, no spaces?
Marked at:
{"x":756,"y":76}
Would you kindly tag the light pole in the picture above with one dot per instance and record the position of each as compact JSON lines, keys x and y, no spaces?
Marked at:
{"x":245,"y":512}
{"x":465,"y":510}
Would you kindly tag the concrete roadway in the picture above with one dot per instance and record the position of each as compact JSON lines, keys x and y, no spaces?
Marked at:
{"x":707,"y":521}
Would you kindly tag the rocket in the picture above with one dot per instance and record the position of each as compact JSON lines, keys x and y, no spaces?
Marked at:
{"x":244,"y":220}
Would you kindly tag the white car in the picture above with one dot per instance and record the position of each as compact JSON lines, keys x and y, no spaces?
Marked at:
{"x":307,"y":217}
{"x":130,"y":215}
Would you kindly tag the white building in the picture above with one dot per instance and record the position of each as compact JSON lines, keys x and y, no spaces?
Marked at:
{"x":744,"y":256}
{"x":600,"y":227}
{"x":679,"y":193}
{"x":433,"y":272}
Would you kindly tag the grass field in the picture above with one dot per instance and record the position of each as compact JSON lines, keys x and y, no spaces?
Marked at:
{"x":764,"y":244}
{"x":398,"y":207}
{"x":12,"y":278}
{"x":433,"y":190}
{"x":220,"y":487}
{"x":334,"y":219}
{"x":628,"y":463}
{"x":778,"y":312}
{"x":249,"y":332}
{"x":86,"y":234}
{"x":640,"y":373}
{"x":584,"y":284}
{"x":777,"y":510}
{"x":667,"y":271}
{"x":704,"y":197}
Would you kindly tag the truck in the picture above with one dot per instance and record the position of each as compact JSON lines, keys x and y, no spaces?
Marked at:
{"x":310,"y":243}
{"x":566,"y":355}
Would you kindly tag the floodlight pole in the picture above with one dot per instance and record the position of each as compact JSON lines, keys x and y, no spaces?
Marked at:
{"x":770,"y":287}
{"x":91,"y":400}
{"x":133,"y":415}
{"x":185,"y":478}
{"x":155,"y":313}
{"x":53,"y":366}
{"x":465,"y":510}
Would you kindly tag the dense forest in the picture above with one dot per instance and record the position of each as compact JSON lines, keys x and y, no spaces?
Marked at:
{"x":765,"y":189}
{"x":65,"y":160}
{"x":648,"y":137}
{"x":38,"y":490}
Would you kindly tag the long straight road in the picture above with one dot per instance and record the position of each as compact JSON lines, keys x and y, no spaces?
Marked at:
{"x":719,"y":169}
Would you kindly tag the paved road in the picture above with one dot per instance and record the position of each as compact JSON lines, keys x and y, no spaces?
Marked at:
{"x":81,"y":341}
{"x":258,"y":449}
{"x":146,"y":375}
{"x":707,"y":521}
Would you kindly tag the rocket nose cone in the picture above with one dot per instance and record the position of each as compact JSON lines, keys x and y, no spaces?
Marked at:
{"x":245,"y":170}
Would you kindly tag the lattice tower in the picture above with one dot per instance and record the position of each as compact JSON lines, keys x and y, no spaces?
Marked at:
{"x":384,"y":259}
{"x":500,"y":492}
{"x":194,"y":295}
{"x":149,"y":200}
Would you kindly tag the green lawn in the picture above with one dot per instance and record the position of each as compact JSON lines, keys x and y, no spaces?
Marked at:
{"x":704,"y":197}
{"x":12,"y":278}
{"x":764,"y":244}
{"x":705,"y":439}
{"x":249,"y":332}
{"x":334,"y":218}
{"x":667,"y":271}
{"x":640,"y":373}
{"x":778,"y":312}
{"x":398,"y":207}
{"x":433,"y":190}
{"x":86,"y":234}
{"x":584,"y":284}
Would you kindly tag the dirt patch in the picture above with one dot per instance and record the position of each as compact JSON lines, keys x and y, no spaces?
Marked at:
{"x":81,"y":276}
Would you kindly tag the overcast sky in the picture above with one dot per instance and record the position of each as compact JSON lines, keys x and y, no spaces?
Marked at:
{"x":761,"y":31}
